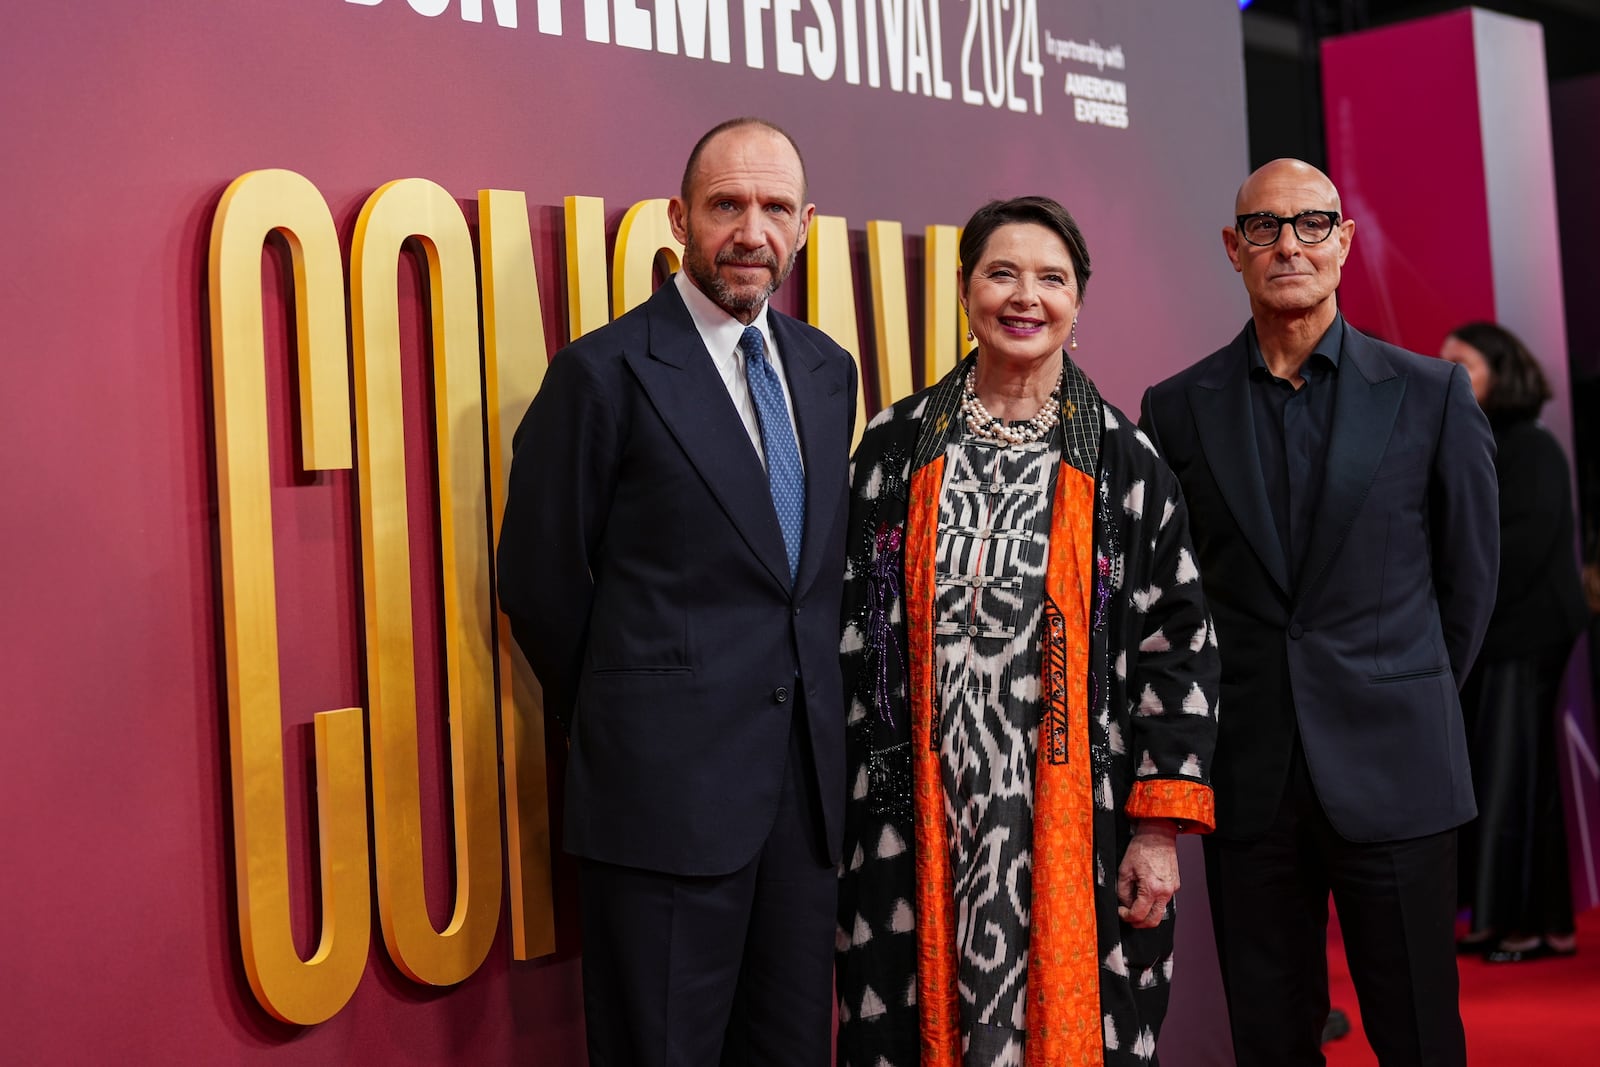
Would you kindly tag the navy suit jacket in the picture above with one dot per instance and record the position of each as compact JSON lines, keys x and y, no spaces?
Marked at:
{"x":1364,"y":654}
{"x":644,"y":572}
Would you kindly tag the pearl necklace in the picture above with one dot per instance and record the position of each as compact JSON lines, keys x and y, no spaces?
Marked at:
{"x":982,"y":424}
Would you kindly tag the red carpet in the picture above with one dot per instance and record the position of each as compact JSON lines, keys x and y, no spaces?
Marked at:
{"x":1516,"y":1014}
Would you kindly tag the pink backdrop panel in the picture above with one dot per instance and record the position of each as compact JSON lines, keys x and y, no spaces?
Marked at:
{"x":1405,"y":149}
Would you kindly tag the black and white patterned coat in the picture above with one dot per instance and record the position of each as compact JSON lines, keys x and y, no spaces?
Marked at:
{"x":1149,"y":713}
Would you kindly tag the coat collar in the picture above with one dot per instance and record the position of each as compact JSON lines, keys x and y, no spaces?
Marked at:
{"x":1366,"y":402}
{"x":678,"y":376}
{"x":1220,"y":400}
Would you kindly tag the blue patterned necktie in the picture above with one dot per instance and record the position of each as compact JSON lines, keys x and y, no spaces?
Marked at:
{"x":784,"y":475}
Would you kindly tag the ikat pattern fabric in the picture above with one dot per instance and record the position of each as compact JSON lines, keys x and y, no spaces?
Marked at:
{"x":994,"y":534}
{"x":1149,"y":717}
{"x":784,"y":473}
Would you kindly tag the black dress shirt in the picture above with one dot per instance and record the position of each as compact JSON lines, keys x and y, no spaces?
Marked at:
{"x":1291,"y":429}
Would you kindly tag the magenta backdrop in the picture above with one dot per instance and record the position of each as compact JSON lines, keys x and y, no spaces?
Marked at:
{"x":123,"y":125}
{"x":1405,"y":148}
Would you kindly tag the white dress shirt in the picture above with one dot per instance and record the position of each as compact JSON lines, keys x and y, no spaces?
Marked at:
{"x":721,"y":333}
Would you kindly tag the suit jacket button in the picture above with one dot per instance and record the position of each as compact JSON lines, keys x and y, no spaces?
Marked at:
{"x":780,"y":694}
{"x":1295,"y":631}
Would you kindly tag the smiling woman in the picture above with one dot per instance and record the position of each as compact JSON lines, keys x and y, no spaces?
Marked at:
{"x":1000,"y":772}
{"x":1022,"y":301}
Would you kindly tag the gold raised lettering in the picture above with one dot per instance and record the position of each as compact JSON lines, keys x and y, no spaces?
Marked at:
{"x":944,"y":320}
{"x":587,"y":307}
{"x":393,"y":214}
{"x":886,"y":256}
{"x":831,"y":297}
{"x":643,"y":232}
{"x":515,"y":355}
{"x":291,"y":989}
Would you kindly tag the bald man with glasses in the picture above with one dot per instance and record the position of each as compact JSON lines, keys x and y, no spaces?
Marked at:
{"x":1343,"y":502}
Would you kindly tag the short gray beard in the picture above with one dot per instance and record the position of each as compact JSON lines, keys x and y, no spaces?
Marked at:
{"x":711,"y":283}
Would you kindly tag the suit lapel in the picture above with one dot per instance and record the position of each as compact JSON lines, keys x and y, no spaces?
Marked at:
{"x":820,"y":415}
{"x":683,"y":386}
{"x":1221,"y":405}
{"x":1364,"y":412}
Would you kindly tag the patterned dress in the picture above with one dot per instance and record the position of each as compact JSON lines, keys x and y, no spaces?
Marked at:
{"x":994,"y":535}
{"x":1016,"y":701}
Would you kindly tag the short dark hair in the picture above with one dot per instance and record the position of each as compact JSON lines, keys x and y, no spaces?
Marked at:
{"x":734,"y":124}
{"x":1036,"y":209}
{"x":1517,"y":385}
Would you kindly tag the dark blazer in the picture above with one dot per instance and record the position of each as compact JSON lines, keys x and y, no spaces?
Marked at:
{"x":1365,"y":653}
{"x":644,"y":572}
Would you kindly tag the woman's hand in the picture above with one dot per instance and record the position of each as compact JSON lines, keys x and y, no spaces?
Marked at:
{"x":1148,"y":876}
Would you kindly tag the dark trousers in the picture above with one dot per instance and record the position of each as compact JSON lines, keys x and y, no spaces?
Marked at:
{"x":1396,"y":903}
{"x":734,"y":969}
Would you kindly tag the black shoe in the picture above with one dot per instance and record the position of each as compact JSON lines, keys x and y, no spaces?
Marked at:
{"x":1538,"y":951}
{"x":1336,"y":1026}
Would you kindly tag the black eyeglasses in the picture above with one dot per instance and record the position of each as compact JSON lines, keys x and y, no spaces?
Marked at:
{"x":1310,"y":227}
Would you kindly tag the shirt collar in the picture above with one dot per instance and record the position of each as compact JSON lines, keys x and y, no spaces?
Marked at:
{"x":720,"y":330}
{"x":1328,"y":346}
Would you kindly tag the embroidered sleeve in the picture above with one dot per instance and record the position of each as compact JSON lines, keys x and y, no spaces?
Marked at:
{"x":876,"y":942}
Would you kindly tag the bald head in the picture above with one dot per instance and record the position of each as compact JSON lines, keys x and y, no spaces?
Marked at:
{"x":1281,"y":172}
{"x":1291,"y":264}
{"x":746,"y":124}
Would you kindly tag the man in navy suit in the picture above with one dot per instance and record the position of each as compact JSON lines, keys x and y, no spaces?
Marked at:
{"x":672,"y":562}
{"x":1342,"y":496}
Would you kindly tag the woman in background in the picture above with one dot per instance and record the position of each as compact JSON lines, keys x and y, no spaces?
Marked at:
{"x":1032,"y":681}
{"x":1514,"y":870}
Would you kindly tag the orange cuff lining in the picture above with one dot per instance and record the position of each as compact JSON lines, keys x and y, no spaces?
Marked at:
{"x":1174,"y":798}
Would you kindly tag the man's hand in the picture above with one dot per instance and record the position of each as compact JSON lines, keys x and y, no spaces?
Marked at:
{"x":1148,"y":876}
